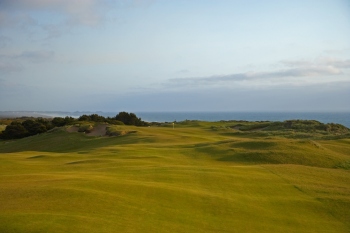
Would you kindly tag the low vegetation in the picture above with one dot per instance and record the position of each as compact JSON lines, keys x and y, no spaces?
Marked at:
{"x":118,"y":131}
{"x":25,"y":127}
{"x":193,"y":176}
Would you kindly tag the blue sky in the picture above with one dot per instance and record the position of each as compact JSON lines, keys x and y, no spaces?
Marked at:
{"x":164,"y":55}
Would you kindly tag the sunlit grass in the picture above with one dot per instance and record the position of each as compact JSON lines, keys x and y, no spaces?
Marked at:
{"x":193,"y":178}
{"x":2,"y":127}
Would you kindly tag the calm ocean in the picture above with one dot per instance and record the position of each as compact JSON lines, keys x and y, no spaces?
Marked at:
{"x":329,"y":117}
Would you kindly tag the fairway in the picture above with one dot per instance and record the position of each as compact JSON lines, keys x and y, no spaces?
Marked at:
{"x":198,"y":177}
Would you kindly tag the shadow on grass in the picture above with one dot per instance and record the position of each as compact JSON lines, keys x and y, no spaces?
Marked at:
{"x":63,"y":142}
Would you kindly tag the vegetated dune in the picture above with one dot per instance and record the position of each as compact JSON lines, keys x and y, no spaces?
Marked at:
{"x":99,"y":130}
{"x":197,"y":177}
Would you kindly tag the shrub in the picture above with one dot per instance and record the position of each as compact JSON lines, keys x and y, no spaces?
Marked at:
{"x":34,"y":127}
{"x":58,"y":121}
{"x":130,"y":119}
{"x":85,"y":128}
{"x":14,"y":131}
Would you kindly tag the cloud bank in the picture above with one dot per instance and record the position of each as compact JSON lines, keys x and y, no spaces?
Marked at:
{"x":295,"y":69}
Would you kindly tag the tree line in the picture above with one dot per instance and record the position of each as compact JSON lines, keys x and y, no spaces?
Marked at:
{"x":20,"y":129}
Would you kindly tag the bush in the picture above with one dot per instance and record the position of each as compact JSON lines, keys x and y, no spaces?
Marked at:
{"x":58,"y":122}
{"x":14,"y":131}
{"x":130,"y":119}
{"x":34,"y":127}
{"x":85,"y":128}
{"x":92,"y":117}
{"x":112,"y":131}
{"x":27,"y":128}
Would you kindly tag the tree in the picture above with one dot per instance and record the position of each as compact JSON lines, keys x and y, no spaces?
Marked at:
{"x":84,"y":118}
{"x":129,"y":119}
{"x":58,"y":121}
{"x":45,"y":122}
{"x":123,"y":117}
{"x":34,"y":127}
{"x":14,"y":130}
{"x":68,"y":120}
{"x":97,"y":118}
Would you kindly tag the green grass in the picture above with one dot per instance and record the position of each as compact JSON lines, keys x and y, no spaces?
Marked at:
{"x":198,"y":177}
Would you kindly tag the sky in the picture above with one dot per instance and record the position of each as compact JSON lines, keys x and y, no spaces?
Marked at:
{"x":166,"y":55}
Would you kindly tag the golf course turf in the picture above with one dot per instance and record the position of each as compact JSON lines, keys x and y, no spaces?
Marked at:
{"x":197,"y":177}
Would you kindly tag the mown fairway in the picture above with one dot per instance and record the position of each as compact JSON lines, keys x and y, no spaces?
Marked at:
{"x":198,"y":177}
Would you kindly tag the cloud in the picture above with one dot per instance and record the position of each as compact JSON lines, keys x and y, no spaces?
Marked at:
{"x":31,"y":15}
{"x":335,"y":62}
{"x":320,"y":62}
{"x":316,"y":97}
{"x":250,"y":76}
{"x":295,"y":69}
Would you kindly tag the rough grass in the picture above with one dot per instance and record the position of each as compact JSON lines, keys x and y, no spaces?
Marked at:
{"x":113,"y":130}
{"x":2,"y":127}
{"x":198,"y":177}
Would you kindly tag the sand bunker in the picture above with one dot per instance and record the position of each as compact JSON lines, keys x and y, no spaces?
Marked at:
{"x":73,"y":129}
{"x":99,"y":130}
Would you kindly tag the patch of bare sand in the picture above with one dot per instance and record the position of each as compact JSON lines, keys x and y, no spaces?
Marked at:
{"x":73,"y":129}
{"x":99,"y":130}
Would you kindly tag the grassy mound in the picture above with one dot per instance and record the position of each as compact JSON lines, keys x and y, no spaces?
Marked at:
{"x":295,"y":128}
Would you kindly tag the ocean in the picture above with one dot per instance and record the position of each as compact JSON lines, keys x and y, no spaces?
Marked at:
{"x":324,"y":117}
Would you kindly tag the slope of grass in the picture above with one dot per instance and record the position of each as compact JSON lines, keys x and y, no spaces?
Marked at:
{"x":198,"y":177}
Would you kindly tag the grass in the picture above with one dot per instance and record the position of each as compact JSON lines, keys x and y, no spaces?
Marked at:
{"x":198,"y":177}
